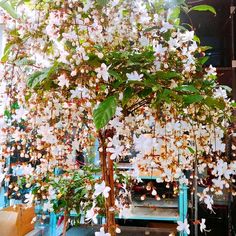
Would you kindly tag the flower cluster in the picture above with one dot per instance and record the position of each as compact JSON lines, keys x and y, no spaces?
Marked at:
{"x":72,"y":70}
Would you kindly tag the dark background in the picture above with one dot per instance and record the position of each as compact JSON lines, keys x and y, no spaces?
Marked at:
{"x":219,"y":32}
{"x":214,"y":31}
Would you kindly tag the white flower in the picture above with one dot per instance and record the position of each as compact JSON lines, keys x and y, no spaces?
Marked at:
{"x":183,"y":226}
{"x":47,"y":206}
{"x":157,"y":64}
{"x":187,"y":36}
{"x":173,"y":44}
{"x":115,"y":152}
{"x":102,"y":188}
{"x":102,"y":233}
{"x":219,"y":183}
{"x":211,"y":70}
{"x":102,"y":72}
{"x":20,"y":114}
{"x":154,"y":192}
{"x":91,"y":215}
{"x":115,"y":2}
{"x":218,"y":146}
{"x":134,"y":76}
{"x":221,"y":169}
{"x":144,"y":144}
{"x":144,"y":41}
{"x":27,"y":170}
{"x":220,"y":93}
{"x":232,"y":167}
{"x":115,"y":122}
{"x":73,"y":73}
{"x":51,"y":193}
{"x":88,"y":5}
{"x":76,"y":93}
{"x":46,"y":132}
{"x":118,"y":231}
{"x":76,"y":145}
{"x":159,"y":49}
{"x":79,"y":92}
{"x":63,"y":81}
{"x":124,"y":212}
{"x":208,"y":200}
{"x":165,"y":27}
{"x":202,"y":225}
{"x":2,"y":176}
{"x":29,"y":198}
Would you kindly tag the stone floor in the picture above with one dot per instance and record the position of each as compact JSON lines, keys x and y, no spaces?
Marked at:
{"x":125,"y":231}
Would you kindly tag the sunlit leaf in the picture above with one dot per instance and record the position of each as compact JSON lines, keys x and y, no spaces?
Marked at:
{"x":5,"y":5}
{"x":203,"y":8}
{"x":189,"y":99}
{"x":105,"y":111}
{"x":187,"y":88}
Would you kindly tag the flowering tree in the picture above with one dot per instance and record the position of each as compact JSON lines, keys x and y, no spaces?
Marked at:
{"x":125,"y":73}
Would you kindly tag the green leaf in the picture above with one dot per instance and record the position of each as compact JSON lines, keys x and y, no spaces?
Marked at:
{"x":115,"y":74}
{"x":15,"y":105}
{"x":187,"y":88}
{"x":189,"y":99}
{"x":156,"y":87}
{"x":196,"y":39}
{"x":102,"y":3}
{"x":203,"y":60}
{"x":28,"y":96}
{"x":175,"y":12}
{"x":163,"y":96}
{"x":94,"y":60}
{"x":7,"y":113}
{"x":6,"y":52}
{"x":98,"y":47}
{"x":105,"y":111}
{"x":5,"y":5}
{"x":203,"y":8}
{"x":167,"y":74}
{"x":39,"y":76}
{"x":233,"y":104}
{"x":191,"y":150}
{"x":24,"y":61}
{"x":214,"y":102}
{"x":127,"y":95}
{"x":150,"y":29}
{"x":227,"y":88}
{"x":145,"y":92}
{"x":205,"y":48}
{"x":116,"y":84}
{"x":103,"y":87}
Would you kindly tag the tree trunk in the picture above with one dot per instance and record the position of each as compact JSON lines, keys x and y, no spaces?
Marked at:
{"x":66,"y":217}
{"x":108,"y":177}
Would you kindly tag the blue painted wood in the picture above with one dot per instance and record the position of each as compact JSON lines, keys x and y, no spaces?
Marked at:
{"x":53,"y":224}
{"x":2,"y":198}
{"x":183,"y":205}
